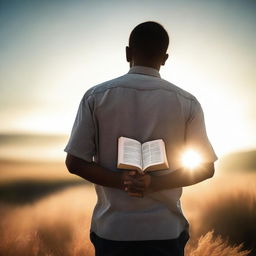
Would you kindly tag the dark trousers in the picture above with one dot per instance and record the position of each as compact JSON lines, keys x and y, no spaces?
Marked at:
{"x":170,"y":247}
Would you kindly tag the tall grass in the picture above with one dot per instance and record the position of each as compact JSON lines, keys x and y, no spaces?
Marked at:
{"x":59,"y":223}
{"x":56,"y":225}
{"x":232,"y":216}
{"x":226,"y":205}
{"x":215,"y":246}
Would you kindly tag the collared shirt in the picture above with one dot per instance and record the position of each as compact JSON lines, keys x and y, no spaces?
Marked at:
{"x":142,"y":106}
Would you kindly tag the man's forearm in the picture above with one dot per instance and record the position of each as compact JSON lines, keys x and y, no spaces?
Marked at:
{"x":94,"y":173}
{"x":99,"y":175}
{"x":181,"y":178}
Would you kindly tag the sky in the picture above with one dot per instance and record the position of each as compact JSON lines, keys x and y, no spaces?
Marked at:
{"x":51,"y":52}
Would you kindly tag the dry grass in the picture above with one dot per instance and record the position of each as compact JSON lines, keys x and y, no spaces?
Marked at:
{"x":226,"y":205}
{"x":59,"y":223}
{"x":214,"y":246}
{"x":56,"y":225}
{"x":232,"y":216}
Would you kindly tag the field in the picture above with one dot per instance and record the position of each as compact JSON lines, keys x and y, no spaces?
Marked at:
{"x":49,"y":214}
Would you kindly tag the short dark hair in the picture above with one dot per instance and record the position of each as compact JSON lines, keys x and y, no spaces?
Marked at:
{"x":149,"y":39}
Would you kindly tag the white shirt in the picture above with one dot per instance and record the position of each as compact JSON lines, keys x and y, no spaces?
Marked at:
{"x":143,"y":106}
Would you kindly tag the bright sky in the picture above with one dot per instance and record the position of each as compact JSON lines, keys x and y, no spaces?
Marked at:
{"x":52,"y":51}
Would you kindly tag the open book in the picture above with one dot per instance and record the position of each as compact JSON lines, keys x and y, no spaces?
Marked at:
{"x":149,"y":156}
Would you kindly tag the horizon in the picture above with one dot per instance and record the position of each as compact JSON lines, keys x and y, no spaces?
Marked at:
{"x":48,"y":148}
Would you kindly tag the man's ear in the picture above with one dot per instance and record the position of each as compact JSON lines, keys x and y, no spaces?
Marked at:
{"x":128,"y":54}
{"x":165,"y":59}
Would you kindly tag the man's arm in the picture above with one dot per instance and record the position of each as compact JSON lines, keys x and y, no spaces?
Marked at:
{"x":137,"y":184}
{"x":94,"y":173}
{"x":180,"y":178}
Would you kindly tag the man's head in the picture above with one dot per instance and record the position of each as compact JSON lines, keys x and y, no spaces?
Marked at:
{"x":148,"y":44}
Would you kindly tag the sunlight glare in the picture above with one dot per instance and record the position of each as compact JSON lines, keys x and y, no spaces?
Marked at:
{"x":191,"y":159}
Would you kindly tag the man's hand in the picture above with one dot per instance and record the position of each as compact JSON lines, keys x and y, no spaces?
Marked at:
{"x":135,"y":183}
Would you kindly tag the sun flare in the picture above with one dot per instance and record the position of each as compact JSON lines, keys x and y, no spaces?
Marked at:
{"x":191,"y":159}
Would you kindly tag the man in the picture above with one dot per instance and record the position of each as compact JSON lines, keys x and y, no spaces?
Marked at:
{"x":139,"y":214}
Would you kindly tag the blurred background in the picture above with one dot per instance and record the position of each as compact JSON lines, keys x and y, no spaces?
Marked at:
{"x":53,"y":51}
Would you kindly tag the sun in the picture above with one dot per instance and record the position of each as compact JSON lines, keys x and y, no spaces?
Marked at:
{"x":191,"y":159}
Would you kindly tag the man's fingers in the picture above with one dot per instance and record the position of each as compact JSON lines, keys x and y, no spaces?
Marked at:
{"x":134,"y":185}
{"x":131,"y":188}
{"x":136,"y":174}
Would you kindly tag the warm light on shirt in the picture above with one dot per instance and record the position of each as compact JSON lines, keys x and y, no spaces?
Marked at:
{"x":191,"y":159}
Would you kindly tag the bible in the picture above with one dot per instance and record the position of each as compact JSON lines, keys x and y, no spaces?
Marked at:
{"x":145,"y":157}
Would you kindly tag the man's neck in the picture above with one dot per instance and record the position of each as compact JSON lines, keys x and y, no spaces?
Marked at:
{"x":145,"y":64}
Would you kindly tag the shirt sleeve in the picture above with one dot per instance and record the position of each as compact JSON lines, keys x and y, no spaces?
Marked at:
{"x":82,"y":139}
{"x":196,"y":136}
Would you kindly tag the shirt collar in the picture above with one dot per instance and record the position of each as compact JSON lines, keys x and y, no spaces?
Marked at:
{"x":144,"y":71}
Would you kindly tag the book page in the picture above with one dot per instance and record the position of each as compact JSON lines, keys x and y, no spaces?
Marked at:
{"x":130,"y":151}
{"x":152,"y":153}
